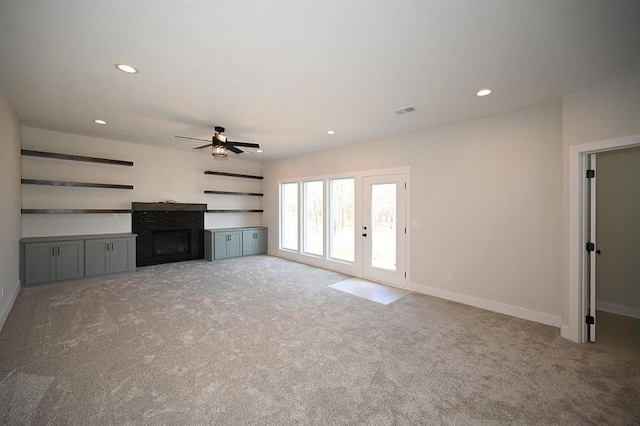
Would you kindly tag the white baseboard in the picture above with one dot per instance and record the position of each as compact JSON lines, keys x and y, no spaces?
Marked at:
{"x":565,"y":331}
{"x":616,"y":308}
{"x":489,"y":305}
{"x":12,"y":298}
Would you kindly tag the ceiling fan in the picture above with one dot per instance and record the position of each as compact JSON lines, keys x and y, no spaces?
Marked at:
{"x":220,"y":144}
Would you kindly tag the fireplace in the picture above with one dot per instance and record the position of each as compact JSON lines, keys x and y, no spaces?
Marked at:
{"x":168,"y":242}
{"x":168,"y":232}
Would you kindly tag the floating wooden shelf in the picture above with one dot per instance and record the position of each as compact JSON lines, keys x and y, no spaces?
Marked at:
{"x":209,"y":172}
{"x":80,"y":184}
{"x":257,"y":194}
{"x":235,"y":211}
{"x":58,"y":156}
{"x":74,"y":211}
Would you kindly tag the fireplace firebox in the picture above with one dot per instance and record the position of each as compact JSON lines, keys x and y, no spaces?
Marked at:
{"x":168,"y":232}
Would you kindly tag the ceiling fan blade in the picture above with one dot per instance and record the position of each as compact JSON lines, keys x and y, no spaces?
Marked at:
{"x":193,"y":139}
{"x":234,"y":149}
{"x":203,"y":146}
{"x":247,"y":144}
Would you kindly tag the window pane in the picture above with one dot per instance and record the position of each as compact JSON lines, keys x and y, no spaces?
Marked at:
{"x":383,"y":226}
{"x":313,"y":217}
{"x":342,"y":226}
{"x":289,"y":215}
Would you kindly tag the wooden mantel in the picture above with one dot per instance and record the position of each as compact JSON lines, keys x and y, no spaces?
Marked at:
{"x":165,"y":207}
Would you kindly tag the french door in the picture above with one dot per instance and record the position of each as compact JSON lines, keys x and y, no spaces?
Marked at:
{"x":383,"y":230}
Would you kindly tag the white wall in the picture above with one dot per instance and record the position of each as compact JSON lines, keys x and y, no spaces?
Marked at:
{"x":487,"y":196}
{"x":158,"y":174}
{"x":610,"y":109}
{"x":9,"y":205}
{"x":618,"y":231}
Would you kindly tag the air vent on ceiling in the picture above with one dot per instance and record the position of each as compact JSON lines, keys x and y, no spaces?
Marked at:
{"x":405,"y":110}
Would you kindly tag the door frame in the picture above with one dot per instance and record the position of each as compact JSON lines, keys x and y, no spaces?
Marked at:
{"x":406,"y":171}
{"x":366,"y":243}
{"x":576,"y":310}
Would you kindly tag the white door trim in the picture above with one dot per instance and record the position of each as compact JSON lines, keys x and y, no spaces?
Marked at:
{"x":398,"y":277}
{"x":576,"y":328}
{"x":593,"y":238}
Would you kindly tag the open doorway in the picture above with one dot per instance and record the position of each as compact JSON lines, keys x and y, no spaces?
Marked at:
{"x":617,"y":252}
{"x":577,"y":311}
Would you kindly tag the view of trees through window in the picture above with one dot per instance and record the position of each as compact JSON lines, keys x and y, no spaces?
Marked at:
{"x":313,"y":217}
{"x":383,"y":226}
{"x":342,"y":219}
{"x":289,"y":215}
{"x":340,"y":224}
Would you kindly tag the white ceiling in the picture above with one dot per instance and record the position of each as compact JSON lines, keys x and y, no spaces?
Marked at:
{"x":282,"y":73}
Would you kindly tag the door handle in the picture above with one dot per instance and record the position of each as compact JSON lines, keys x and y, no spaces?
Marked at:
{"x":598,"y":252}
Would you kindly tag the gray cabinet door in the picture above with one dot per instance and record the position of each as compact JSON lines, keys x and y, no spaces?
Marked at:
{"x":254,"y":242}
{"x":248,"y":239}
{"x":108,"y":256}
{"x":69,"y":260}
{"x":227,"y":244}
{"x":260,"y":242}
{"x":220,"y":245}
{"x":39,"y":263}
{"x":96,"y":257}
{"x":234,"y":245}
{"x":122,"y":255}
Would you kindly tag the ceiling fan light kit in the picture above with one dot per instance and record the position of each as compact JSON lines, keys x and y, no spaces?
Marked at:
{"x":219,"y":151}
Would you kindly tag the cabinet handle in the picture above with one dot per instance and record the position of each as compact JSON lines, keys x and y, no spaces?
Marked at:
{"x":58,"y":251}
{"x":107,"y":246}
{"x":53,"y":251}
{"x":111,"y":246}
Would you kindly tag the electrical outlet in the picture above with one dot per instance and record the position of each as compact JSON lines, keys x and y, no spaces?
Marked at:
{"x":450,"y":276}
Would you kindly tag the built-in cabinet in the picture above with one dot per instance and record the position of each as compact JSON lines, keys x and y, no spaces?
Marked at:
{"x":254,"y":241}
{"x":227,"y":244}
{"x":233,"y":242}
{"x":53,"y":261}
{"x":48,"y":259}
{"x":108,"y":256}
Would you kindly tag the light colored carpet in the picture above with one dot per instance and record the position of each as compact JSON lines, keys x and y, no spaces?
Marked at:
{"x":369,"y":290}
{"x":260,"y":340}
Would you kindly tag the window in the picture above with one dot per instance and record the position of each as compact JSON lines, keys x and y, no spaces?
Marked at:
{"x":313,"y":225}
{"x":342,"y":219}
{"x":289,"y":216}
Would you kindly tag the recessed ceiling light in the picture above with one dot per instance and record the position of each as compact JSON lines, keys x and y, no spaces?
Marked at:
{"x":126,"y":68}
{"x":484,"y":92}
{"x":331,"y":132}
{"x":258,"y":150}
{"x":98,"y":121}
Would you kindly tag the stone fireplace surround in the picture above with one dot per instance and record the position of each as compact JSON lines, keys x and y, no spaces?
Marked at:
{"x":168,"y":232}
